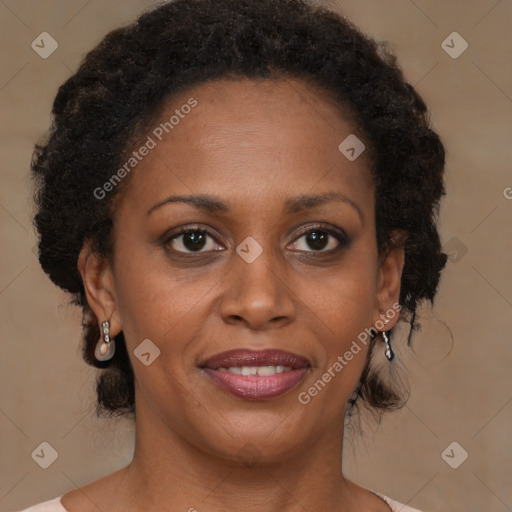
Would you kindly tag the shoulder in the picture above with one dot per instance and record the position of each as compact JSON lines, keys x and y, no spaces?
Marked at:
{"x":53,"y":505}
{"x":395,"y":505}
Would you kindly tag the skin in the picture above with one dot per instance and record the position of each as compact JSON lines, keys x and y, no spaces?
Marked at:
{"x":252,"y":144}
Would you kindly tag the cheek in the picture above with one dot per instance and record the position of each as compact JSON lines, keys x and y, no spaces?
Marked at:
{"x":152,"y":305}
{"x":343,"y":308}
{"x":339,"y":321}
{"x":343,"y":316}
{"x":153,"y":302}
{"x":343,"y":299}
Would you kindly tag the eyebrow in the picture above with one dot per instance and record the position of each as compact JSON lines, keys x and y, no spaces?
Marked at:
{"x":212,"y":204}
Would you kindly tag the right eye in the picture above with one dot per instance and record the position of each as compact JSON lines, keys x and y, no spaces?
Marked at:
{"x":192,"y":240}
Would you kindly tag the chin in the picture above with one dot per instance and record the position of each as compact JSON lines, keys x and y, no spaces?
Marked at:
{"x":259,"y":443}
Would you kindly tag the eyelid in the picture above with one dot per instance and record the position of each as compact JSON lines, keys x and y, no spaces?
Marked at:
{"x":328,"y":228}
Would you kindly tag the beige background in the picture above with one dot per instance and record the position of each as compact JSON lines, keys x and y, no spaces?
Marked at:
{"x":460,"y":371}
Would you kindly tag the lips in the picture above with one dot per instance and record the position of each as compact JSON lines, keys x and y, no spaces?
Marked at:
{"x":269,"y":357}
{"x":256,"y":375}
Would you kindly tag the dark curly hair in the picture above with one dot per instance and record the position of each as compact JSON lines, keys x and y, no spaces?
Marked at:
{"x":121,"y":86}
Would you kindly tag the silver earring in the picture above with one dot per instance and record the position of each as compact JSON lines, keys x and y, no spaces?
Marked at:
{"x":385,"y":338}
{"x":106,"y":346}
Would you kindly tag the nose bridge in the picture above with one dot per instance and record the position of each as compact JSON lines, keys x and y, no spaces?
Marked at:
{"x":256,"y":290}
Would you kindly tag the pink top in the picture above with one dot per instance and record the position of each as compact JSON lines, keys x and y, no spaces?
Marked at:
{"x":54,"y":505}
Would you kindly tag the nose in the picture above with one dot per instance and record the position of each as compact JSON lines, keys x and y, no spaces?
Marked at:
{"x":258,"y":294}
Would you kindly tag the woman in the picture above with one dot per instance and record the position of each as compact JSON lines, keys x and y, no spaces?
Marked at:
{"x":241,"y":196}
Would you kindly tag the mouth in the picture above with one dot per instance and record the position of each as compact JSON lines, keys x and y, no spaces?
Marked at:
{"x":256,"y":375}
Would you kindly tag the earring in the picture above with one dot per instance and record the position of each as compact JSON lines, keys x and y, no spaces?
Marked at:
{"x":385,"y":338}
{"x":106,"y":346}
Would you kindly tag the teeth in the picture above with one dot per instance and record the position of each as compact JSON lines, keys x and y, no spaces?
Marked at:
{"x":262,"y":371}
{"x":247,"y":370}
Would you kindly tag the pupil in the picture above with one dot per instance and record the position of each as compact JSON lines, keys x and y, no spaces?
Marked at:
{"x":317,"y":240}
{"x":194,"y":241}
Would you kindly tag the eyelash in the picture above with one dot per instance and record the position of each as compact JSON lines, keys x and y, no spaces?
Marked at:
{"x":340,"y":236}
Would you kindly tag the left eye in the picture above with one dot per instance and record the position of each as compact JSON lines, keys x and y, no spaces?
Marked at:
{"x":320,"y":240}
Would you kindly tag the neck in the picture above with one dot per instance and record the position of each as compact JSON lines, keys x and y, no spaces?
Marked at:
{"x":168,"y":473}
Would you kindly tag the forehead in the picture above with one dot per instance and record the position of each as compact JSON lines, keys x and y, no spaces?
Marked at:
{"x":248,"y":137}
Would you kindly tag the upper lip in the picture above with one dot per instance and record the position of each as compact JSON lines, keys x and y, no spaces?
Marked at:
{"x":247,"y":357}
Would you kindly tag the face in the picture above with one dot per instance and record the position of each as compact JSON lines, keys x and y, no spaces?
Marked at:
{"x":278,"y":263}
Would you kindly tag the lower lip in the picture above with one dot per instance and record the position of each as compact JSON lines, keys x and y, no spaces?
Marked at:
{"x":253,"y":387}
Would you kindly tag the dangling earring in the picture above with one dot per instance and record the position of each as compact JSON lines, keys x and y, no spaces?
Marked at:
{"x":385,"y":338}
{"x":106,"y":346}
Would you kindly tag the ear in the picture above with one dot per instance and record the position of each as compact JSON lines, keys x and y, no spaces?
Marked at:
{"x":389,"y":278}
{"x":99,"y":287}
